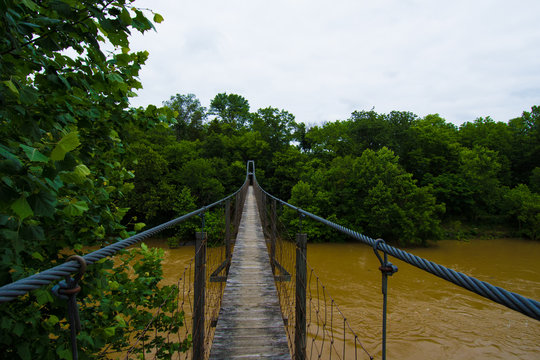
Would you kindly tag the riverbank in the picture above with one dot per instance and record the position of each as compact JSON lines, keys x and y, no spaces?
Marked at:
{"x":466,"y":231}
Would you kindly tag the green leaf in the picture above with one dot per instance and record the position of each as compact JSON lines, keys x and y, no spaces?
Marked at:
{"x":43,"y":204}
{"x":11,"y":86}
{"x":113,"y":285}
{"x":76,"y":208}
{"x":52,"y":320}
{"x":139,"y":226}
{"x":82,"y":170}
{"x":158,"y":18}
{"x":23,"y":351}
{"x":6,"y":180}
{"x":109,"y":332}
{"x":115,"y":78}
{"x":140,"y":22}
{"x":125,"y":18}
{"x":28,"y":95}
{"x":10,"y":235}
{"x":43,"y":296}
{"x":33,"y":154}
{"x":29,"y":4}
{"x":120,"y":320}
{"x":56,"y":184}
{"x":64,"y":353}
{"x":69,"y":142}
{"x":6,"y":152}
{"x":37,"y":256}
{"x":114,"y":136}
{"x":22,"y":208}
{"x":62,"y":8}
{"x":18,"y":329}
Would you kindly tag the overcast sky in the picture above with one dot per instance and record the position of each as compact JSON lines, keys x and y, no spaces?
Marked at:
{"x":321,"y":60}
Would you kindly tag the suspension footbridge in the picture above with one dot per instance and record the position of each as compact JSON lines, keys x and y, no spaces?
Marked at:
{"x":250,"y":325}
{"x":255,"y":300}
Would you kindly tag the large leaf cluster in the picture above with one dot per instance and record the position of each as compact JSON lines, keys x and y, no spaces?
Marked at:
{"x":63,"y":104}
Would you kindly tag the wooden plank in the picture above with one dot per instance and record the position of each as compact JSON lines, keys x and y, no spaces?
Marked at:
{"x":250,"y":325}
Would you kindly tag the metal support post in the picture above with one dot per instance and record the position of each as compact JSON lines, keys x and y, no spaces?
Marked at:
{"x":387,"y":269}
{"x":199,"y":289}
{"x":300,"y":313}
{"x":67,"y":290}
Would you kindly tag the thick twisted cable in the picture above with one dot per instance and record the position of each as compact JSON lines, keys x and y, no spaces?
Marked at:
{"x":499,"y":295}
{"x":20,"y":287}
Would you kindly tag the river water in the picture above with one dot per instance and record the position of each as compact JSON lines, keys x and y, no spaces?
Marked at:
{"x":428,"y":318}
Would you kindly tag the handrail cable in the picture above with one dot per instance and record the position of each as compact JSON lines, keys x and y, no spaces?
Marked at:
{"x":497,"y":294}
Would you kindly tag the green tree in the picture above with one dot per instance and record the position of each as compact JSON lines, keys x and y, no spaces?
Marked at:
{"x":479,"y":168}
{"x":157,"y":197}
{"x":369,"y":130}
{"x":303,"y":197}
{"x":373,"y":194}
{"x":283,"y":172}
{"x":534,"y":180}
{"x":496,"y":136}
{"x":523,"y":207}
{"x":277,"y":127}
{"x":232,"y":109}
{"x":190,"y":116}
{"x":63,"y":110}
{"x":401,"y":136}
{"x":393,"y":206}
{"x":526,"y":145}
{"x":330,"y":140}
{"x":201,"y":176}
{"x":435,"y":149}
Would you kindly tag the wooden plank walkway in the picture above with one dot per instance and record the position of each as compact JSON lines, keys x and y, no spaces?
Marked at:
{"x":250,"y":325}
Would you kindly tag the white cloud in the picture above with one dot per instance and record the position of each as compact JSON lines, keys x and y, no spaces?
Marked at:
{"x":322,"y":60}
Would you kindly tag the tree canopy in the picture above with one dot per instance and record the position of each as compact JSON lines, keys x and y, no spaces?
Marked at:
{"x":64,"y":106}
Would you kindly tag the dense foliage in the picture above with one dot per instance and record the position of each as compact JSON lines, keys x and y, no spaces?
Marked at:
{"x":394,"y":175}
{"x":64,"y":104}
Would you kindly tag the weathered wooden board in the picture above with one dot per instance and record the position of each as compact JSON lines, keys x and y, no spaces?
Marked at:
{"x":250,"y":325}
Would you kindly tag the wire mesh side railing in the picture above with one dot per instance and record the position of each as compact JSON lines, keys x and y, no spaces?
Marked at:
{"x":285,"y":263}
{"x":216,"y":271}
{"x":329,"y":334}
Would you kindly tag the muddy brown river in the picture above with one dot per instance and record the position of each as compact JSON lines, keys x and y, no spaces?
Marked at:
{"x":428,"y":318}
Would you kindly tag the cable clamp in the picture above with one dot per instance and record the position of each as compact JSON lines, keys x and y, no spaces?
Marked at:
{"x":387,"y":268}
{"x":70,"y":287}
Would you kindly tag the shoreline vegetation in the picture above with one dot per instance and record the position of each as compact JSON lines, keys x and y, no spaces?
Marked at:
{"x":463,"y":231}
